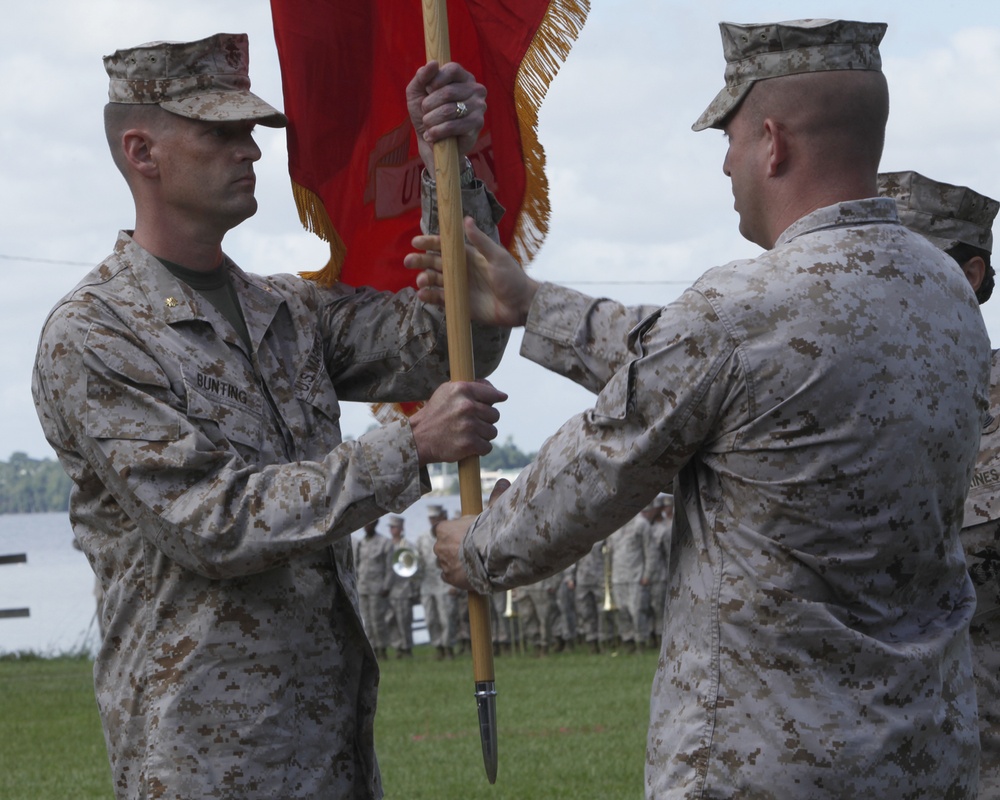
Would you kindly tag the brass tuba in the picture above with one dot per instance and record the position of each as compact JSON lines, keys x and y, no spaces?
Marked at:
{"x":405,"y":562}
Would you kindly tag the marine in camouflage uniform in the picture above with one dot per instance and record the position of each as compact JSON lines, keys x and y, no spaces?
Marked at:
{"x":657,"y":560}
{"x":373,"y":566}
{"x":404,"y":593}
{"x":565,"y":626}
{"x":213,"y":494}
{"x":500,"y":623}
{"x":960,"y":222}
{"x":463,"y":631}
{"x":537,"y":613}
{"x":629,"y":581}
{"x":436,"y":596}
{"x":589,"y":597}
{"x":817,"y":411}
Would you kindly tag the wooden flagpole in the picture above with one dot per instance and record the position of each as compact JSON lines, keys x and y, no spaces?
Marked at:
{"x":456,"y":293}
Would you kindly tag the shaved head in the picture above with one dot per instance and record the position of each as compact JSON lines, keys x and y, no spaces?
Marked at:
{"x":840,"y":115}
{"x":120,"y":117}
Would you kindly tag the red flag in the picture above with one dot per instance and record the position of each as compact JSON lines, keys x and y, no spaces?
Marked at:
{"x":352,"y":152}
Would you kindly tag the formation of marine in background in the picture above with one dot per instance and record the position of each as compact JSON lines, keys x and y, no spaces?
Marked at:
{"x":610,"y":601}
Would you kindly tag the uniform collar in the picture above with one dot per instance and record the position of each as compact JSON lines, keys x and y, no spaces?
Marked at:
{"x":871,"y":211}
{"x":176,"y":302}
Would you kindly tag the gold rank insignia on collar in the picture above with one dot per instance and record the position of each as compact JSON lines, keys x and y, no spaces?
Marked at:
{"x":170,"y":302}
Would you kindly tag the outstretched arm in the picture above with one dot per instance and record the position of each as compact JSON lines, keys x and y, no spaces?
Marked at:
{"x":448,"y":542}
{"x":500,"y":291}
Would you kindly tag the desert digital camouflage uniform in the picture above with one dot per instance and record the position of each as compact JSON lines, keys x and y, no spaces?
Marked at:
{"x":564,"y":629}
{"x":537,"y":612}
{"x":213,"y":495}
{"x":948,"y":216}
{"x":981,"y":539}
{"x":463,"y":631}
{"x":215,"y":499}
{"x":657,"y":560}
{"x":589,"y":595}
{"x":500,"y":623}
{"x":373,"y":566}
{"x":436,"y":596}
{"x":819,"y":407}
{"x":404,"y":593}
{"x":628,"y":567}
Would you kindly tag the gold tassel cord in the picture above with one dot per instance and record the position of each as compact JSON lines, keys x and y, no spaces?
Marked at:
{"x":315,"y":219}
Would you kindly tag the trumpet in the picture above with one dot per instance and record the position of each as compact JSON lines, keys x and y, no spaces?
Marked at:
{"x":608,"y":603}
{"x":405,"y":562}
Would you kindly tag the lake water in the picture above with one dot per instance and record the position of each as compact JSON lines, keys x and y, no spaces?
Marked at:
{"x":56,"y":583}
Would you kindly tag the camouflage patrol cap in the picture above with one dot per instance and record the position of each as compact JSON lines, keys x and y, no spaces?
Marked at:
{"x":945,"y":214}
{"x":206,"y":80}
{"x":395,"y":522}
{"x":758,"y":51}
{"x":435,"y":511}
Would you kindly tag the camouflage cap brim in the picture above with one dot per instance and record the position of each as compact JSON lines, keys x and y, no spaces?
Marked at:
{"x":722,"y":106}
{"x":227,"y":106}
{"x":941,"y":243}
{"x":946,"y":233}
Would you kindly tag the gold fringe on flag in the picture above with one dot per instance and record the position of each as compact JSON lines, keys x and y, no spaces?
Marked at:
{"x":314,"y":219}
{"x":559,"y":29}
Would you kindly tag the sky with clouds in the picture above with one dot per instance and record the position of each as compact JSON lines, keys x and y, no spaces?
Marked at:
{"x":640,"y":207}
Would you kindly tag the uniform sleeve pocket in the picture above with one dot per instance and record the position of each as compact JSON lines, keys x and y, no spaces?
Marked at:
{"x":126,"y":392}
{"x":122,"y":411}
{"x":617,"y":400}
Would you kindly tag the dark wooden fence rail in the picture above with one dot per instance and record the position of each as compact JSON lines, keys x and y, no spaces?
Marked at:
{"x":7,"y":613}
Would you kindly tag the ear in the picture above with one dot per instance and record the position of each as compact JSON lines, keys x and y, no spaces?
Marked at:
{"x":776,"y":139}
{"x":975,"y":271}
{"x":137,"y":145}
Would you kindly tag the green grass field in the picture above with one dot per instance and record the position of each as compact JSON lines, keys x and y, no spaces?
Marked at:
{"x":571,"y":725}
